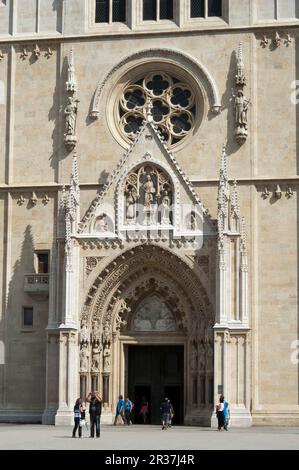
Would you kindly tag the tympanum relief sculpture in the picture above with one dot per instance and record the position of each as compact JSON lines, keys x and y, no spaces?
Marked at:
{"x":153,"y":314}
{"x":148,"y":197}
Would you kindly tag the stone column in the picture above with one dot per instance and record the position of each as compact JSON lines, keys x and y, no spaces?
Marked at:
{"x":52,"y":377}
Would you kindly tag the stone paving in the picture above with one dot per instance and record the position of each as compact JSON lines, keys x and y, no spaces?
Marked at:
{"x":137,"y":437}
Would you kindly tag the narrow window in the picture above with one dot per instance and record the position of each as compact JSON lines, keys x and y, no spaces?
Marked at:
{"x":42,"y":262}
{"x":119,"y":11}
{"x":149,"y":10}
{"x":197,"y":9}
{"x":215,"y":8}
{"x":27,"y":320}
{"x":166,"y":9}
{"x":102,"y":11}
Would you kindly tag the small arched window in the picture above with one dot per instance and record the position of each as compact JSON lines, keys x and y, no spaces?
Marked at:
{"x":110,"y":11}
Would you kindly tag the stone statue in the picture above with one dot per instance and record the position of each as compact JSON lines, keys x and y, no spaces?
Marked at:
{"x":84,"y":355}
{"x":106,"y":333}
{"x":101,"y":224}
{"x":241,"y":108}
{"x":84,"y":333}
{"x":149,"y":190}
{"x":71,"y":115}
{"x":106,"y":360}
{"x":165,"y":208}
{"x":96,"y":331}
{"x":130,"y":205}
{"x":202,"y":357}
{"x":192,"y":221}
{"x":96,"y":351}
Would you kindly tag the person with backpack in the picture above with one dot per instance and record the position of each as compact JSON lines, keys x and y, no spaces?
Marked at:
{"x":120,"y":410}
{"x":95,"y":411}
{"x":128,"y":410}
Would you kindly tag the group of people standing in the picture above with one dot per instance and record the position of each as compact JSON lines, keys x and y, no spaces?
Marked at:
{"x":124,"y":410}
{"x":95,"y":411}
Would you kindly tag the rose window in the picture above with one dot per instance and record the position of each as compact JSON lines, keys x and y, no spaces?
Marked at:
{"x":173,"y":109}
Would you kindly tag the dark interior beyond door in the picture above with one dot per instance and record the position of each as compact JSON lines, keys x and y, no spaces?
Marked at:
{"x":153,"y":373}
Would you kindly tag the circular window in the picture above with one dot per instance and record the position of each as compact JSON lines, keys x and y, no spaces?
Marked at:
{"x":174,"y":107}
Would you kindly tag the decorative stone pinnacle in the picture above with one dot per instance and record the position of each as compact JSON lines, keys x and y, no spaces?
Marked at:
{"x":71,"y":84}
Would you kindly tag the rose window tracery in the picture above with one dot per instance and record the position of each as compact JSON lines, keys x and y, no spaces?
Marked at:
{"x":173,"y":106}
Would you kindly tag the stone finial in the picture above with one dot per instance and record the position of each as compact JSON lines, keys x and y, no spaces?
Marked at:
{"x":71,"y":84}
{"x":240,"y":76}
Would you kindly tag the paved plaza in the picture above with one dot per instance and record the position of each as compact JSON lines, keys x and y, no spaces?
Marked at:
{"x":136,"y":437}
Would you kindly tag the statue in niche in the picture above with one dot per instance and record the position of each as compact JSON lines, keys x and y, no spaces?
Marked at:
{"x":71,"y":115}
{"x":165,"y":208}
{"x":96,"y":351}
{"x":84,"y":357}
{"x":101,"y":224}
{"x":241,"y":108}
{"x":194,"y":358}
{"x":84,"y":333}
{"x":131,"y":205}
{"x":106,"y":333}
{"x":96,"y":331}
{"x":192,"y":221}
{"x":149,"y":191}
{"x":107,"y":359}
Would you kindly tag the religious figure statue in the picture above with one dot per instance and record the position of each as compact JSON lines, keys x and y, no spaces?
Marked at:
{"x":192,"y":221}
{"x":96,"y":331}
{"x":165,"y":208}
{"x":106,"y":360}
{"x":84,"y":355}
{"x":101,"y":224}
{"x":106,"y":333}
{"x":71,"y":115}
{"x":96,"y":350}
{"x":84,"y":333}
{"x":241,"y":108}
{"x":149,"y":190}
{"x":130,"y":205}
{"x":202,"y":357}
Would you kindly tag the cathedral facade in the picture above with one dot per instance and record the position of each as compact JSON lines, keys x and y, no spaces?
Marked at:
{"x":149,"y":207}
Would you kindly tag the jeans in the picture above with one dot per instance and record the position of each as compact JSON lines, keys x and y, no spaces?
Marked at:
{"x":77,"y":424}
{"x":94,"y":423}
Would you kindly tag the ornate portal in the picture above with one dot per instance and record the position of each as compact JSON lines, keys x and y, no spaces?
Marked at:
{"x":148,"y":196}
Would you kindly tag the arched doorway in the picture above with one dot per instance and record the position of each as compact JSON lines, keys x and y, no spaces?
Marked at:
{"x":148,"y":298}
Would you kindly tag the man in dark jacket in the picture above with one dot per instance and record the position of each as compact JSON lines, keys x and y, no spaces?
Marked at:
{"x":95,"y":410}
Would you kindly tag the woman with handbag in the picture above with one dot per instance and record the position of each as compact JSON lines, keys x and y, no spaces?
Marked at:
{"x":77,"y":417}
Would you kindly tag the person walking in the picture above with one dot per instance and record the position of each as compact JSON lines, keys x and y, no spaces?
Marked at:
{"x":95,"y":411}
{"x":77,"y":417}
{"x":120,"y":410}
{"x":171,"y":414}
{"x":220,"y":412}
{"x":226,"y":413}
{"x":144,"y":410}
{"x":128,"y":410}
{"x":165,"y":411}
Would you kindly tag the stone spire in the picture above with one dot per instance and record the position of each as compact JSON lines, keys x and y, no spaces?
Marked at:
{"x":240,"y":77}
{"x":71,"y":84}
{"x":234,"y":224}
{"x":223,"y":195}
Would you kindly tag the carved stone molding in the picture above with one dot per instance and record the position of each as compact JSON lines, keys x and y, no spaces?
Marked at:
{"x":189,"y":64}
{"x":91,"y":263}
{"x":276,"y":40}
{"x":139,"y":267}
